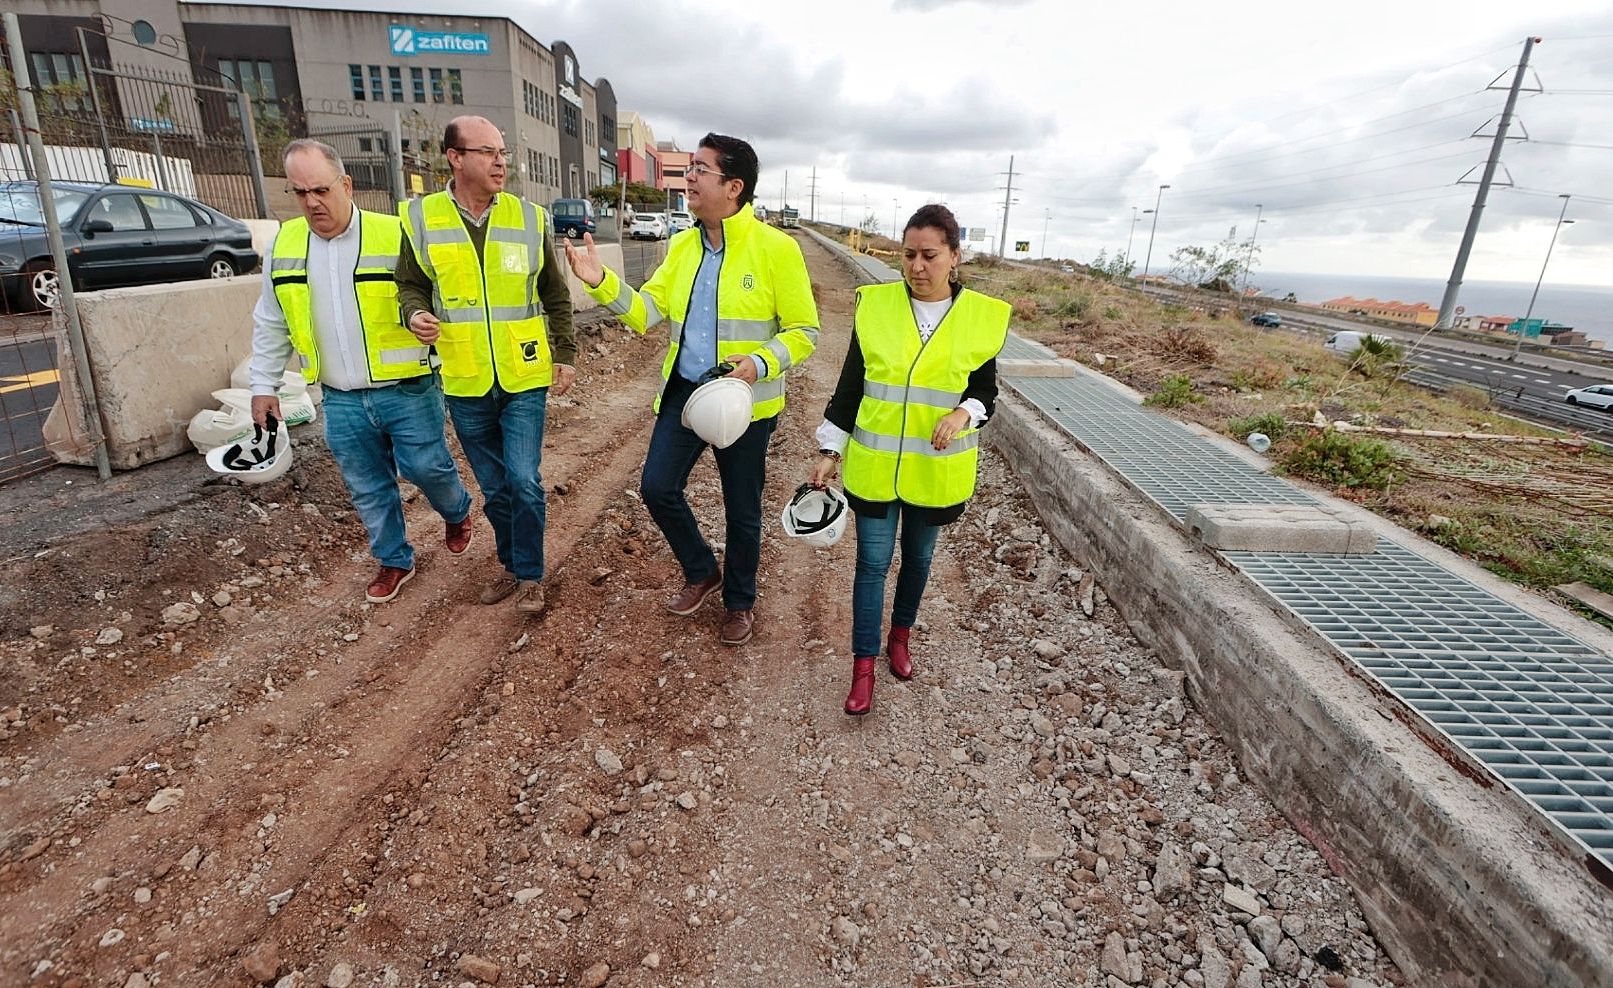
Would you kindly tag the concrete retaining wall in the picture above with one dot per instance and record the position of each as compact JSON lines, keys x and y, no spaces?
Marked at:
{"x":1462,"y":885}
{"x":156,"y":353}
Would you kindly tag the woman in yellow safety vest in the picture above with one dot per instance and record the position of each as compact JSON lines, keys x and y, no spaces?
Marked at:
{"x":918,"y":382}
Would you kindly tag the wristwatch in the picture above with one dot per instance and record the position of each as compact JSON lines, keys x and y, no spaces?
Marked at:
{"x":829,"y":452}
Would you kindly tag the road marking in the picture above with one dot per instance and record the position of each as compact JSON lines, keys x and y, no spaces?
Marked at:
{"x":25,"y":382}
{"x":1520,"y":377}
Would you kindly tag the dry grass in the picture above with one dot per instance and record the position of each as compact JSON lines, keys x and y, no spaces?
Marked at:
{"x":1537,"y":515}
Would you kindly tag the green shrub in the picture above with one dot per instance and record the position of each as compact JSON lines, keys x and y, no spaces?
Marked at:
{"x":1340,"y":459}
{"x":1112,"y":312}
{"x":1377,"y":358}
{"x":1270,"y":423}
{"x":1075,"y":307}
{"x":1174,"y":392}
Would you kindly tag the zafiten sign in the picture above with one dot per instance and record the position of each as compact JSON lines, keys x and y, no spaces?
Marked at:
{"x":408,"y":41}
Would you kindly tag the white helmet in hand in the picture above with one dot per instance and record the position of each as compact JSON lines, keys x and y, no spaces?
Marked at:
{"x":719,"y":410}
{"x":817,"y":515}
{"x":258,"y":459}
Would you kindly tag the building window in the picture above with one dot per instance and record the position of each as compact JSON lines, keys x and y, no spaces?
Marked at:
{"x":437,"y":95}
{"x":355,"y":78}
{"x":65,"y":71}
{"x":417,"y":77}
{"x":394,"y":77}
{"x":569,"y":117}
{"x":456,"y":87}
{"x":256,"y":80}
{"x":377,"y":88}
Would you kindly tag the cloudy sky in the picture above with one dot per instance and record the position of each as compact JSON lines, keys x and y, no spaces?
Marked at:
{"x":1350,"y":123}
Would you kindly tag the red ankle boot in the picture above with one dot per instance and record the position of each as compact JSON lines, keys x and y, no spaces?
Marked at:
{"x":901,"y":661}
{"x":861,"y":698}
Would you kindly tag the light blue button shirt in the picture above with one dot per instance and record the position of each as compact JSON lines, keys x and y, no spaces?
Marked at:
{"x":698,"y":353}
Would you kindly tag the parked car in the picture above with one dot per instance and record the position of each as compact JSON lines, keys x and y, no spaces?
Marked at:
{"x":1595,"y":396}
{"x":648,"y":226}
{"x":573,"y":217}
{"x":682,"y":221}
{"x":1270,"y":320}
{"x":115,"y":235}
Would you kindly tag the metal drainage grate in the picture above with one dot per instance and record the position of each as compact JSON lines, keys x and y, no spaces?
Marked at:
{"x":1173,"y":467}
{"x":1019,"y":348}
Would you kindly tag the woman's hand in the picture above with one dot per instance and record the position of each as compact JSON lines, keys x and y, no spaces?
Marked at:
{"x":826,"y":469}
{"x":948,"y":428}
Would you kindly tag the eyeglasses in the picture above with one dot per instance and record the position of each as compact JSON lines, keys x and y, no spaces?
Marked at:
{"x":700,"y":168}
{"x":318,"y":191}
{"x":494,"y":152}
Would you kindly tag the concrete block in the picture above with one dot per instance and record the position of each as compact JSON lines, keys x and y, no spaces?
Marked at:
{"x":1279,"y":528}
{"x":609,"y":254}
{"x":1018,"y":367}
{"x":1596,"y":600}
{"x":156,"y":354}
{"x":263,"y":234}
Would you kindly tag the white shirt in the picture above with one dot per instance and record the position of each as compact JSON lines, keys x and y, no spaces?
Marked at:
{"x":338,"y":332}
{"x":927,"y":315}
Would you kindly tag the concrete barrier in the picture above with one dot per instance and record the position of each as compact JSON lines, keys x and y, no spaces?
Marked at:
{"x":156,"y":353}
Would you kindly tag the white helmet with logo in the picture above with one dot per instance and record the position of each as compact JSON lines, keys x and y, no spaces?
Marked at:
{"x":255,"y":459}
{"x":719,"y":410}
{"x":817,"y":515}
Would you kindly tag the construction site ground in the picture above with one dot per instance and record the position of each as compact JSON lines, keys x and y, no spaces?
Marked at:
{"x":219,"y":766}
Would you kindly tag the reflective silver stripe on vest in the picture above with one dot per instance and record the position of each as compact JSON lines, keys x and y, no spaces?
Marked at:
{"x":289,"y":264}
{"x":534,"y":235}
{"x":746,"y":330}
{"x":766,"y":390}
{"x":474,"y":313}
{"x":780,"y":354}
{"x":417,"y":231}
{"x":407,"y":355}
{"x":621,"y":302}
{"x":448,"y":235}
{"x":506,"y":235}
{"x":511,"y":313}
{"x":914,"y":395}
{"x":388,"y":262}
{"x":652,"y":312}
{"x":909,"y":444}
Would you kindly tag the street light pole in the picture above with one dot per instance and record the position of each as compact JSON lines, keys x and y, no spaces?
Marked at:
{"x":1250,"y":259}
{"x":1524,"y":329}
{"x":1149,"y":258}
{"x":1126,"y":265}
{"x":1047,"y":214}
{"x":896,"y":214}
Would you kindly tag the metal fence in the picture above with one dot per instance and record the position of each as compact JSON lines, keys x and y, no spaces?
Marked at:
{"x":374,"y":161}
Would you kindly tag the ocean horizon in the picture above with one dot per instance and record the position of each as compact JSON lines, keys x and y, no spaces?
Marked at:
{"x":1587,"y":308}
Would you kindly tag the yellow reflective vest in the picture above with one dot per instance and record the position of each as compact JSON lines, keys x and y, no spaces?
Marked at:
{"x":393,"y":352}
{"x":764,"y":302}
{"x":909,"y":385}
{"x":493,"y":327}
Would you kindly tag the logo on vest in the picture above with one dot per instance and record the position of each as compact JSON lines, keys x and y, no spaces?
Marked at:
{"x":529,"y":351}
{"x":748,"y":282}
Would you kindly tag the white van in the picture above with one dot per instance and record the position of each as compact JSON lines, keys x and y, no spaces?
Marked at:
{"x":1346,"y":341}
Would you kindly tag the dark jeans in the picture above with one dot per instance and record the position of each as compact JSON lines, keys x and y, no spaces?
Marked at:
{"x":743,"y":467}
{"x":502,"y":435}
{"x":876,"y":545}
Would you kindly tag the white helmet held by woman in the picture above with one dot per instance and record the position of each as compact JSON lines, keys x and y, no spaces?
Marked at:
{"x":816,"y":515}
{"x":719,"y":410}
{"x":258,"y":459}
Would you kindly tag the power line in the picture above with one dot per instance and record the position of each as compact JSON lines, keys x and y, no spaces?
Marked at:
{"x":1571,"y":144}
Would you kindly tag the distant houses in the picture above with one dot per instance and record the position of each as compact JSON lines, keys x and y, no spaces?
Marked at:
{"x":1414,"y":313}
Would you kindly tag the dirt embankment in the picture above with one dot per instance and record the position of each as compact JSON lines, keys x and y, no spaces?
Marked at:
{"x":219,"y":767}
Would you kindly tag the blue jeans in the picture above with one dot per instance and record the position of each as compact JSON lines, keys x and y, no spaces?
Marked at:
{"x":375,"y":434}
{"x":876,"y":544}
{"x":743,"y":468}
{"x":502,"y":435}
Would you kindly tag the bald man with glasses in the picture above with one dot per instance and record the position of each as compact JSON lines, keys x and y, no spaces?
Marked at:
{"x":476,"y":279}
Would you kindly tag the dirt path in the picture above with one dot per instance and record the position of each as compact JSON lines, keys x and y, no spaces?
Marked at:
{"x":451,"y":793}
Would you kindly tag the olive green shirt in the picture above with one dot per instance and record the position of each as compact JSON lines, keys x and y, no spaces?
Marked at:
{"x":414,"y":286}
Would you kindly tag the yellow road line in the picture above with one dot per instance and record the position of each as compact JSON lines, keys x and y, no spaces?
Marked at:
{"x":23,"y":382}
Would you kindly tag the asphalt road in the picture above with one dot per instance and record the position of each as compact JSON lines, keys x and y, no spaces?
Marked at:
{"x":27,"y":392}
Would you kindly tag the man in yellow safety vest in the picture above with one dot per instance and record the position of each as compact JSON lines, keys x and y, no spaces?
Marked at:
{"x":475,"y":279}
{"x":328,"y":293}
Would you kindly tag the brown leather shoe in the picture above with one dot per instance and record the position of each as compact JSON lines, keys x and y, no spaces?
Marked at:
{"x":387,"y":583}
{"x":458,"y":535}
{"x":689,"y":599}
{"x":737,"y":628}
{"x":529,"y":597}
{"x":502,"y":586}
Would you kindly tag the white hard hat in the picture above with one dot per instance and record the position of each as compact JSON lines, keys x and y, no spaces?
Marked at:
{"x":719,"y":411}
{"x":211,"y":428}
{"x":263,"y":456}
{"x":817,"y":516}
